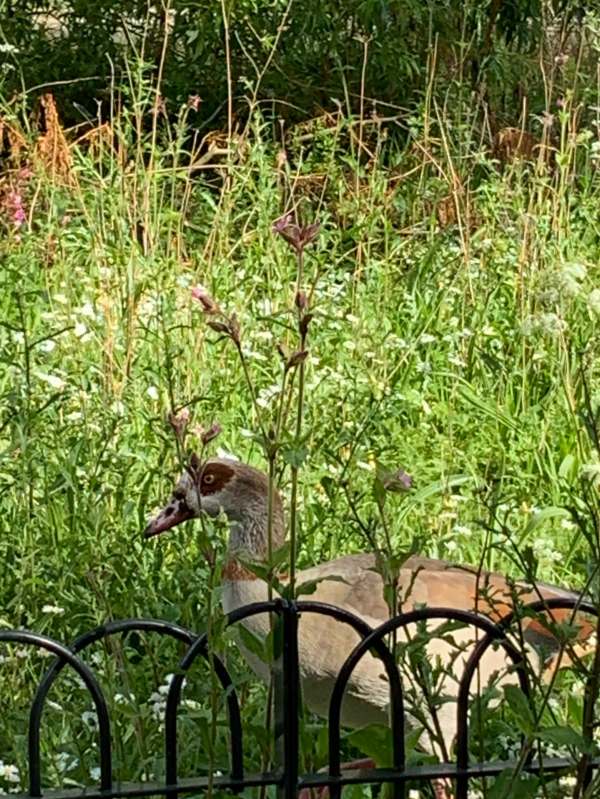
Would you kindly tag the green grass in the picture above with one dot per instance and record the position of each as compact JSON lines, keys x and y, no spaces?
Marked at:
{"x":448,"y":350}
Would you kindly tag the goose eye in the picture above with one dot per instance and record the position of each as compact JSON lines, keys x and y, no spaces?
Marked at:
{"x":208,"y":479}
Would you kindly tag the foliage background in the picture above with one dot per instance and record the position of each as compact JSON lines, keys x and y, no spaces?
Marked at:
{"x":454,"y":286}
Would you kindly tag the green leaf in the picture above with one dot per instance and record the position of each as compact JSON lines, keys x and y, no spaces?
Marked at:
{"x":519,"y":704}
{"x":437,"y":487}
{"x":568,"y":467}
{"x":295,"y":457}
{"x":254,"y":644}
{"x":379,"y":492}
{"x":310,"y":586}
{"x":566,"y":736}
{"x":374,"y":741}
{"x":493,"y":411}
{"x":330,"y":486}
{"x":265,"y":573}
{"x":543,"y":515}
{"x":509,"y":785}
{"x":274,"y":640}
{"x":280,"y":555}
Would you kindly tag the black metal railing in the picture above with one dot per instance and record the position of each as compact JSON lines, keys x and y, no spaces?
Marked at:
{"x":287,"y":778}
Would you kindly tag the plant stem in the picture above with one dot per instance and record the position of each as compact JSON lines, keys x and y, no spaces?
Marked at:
{"x":298,"y":430}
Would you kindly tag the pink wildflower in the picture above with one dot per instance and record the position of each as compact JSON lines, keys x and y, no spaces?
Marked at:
{"x":297,"y":236}
{"x":202,"y":295}
{"x":14,"y":206}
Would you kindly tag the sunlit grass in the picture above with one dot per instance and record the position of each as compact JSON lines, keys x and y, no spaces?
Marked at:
{"x":448,"y":349}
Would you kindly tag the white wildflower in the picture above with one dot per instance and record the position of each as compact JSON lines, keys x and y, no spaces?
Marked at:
{"x":568,"y":782}
{"x":48,"y":345}
{"x":8,"y":49}
{"x":121,"y":699}
{"x":462,"y":529}
{"x":552,"y":324}
{"x":90,"y":719}
{"x":80,"y":329}
{"x":577,"y":269}
{"x":53,"y":610}
{"x":191,"y":704}
{"x":426,"y":338}
{"x":152,"y":392}
{"x":264,"y":335}
{"x":60,"y":298}
{"x":95,"y":773}
{"x":53,"y":380}
{"x":395,"y":341}
{"x":591,"y":472}
{"x":593,"y":301}
{"x":267,"y":395}
{"x":87,"y":309}
{"x":223,"y":453}
{"x":248,"y":352}
{"x":9,"y":772}
{"x":65,"y":761}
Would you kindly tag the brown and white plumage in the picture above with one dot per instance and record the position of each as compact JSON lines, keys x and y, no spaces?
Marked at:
{"x":350,"y":582}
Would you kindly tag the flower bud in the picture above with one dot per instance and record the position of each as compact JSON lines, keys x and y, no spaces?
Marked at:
{"x":179,"y":422}
{"x":301,"y":300}
{"x":201,"y":295}
{"x":208,"y":435}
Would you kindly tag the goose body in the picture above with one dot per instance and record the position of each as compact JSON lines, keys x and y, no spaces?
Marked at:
{"x":351,"y":582}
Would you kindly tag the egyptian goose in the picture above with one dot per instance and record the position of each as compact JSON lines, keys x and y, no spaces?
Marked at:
{"x":241,"y":492}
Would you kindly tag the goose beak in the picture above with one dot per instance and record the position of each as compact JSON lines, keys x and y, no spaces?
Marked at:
{"x":170,"y":516}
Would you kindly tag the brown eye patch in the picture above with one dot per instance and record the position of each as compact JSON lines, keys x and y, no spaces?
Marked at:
{"x":215,"y":477}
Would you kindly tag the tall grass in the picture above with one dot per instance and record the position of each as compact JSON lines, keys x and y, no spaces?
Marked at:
{"x":455,"y":303}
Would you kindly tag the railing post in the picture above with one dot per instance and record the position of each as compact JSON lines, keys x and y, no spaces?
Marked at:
{"x":286,"y":695}
{"x":292,"y":707}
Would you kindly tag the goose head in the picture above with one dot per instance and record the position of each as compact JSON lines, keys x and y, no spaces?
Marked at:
{"x":221,"y":485}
